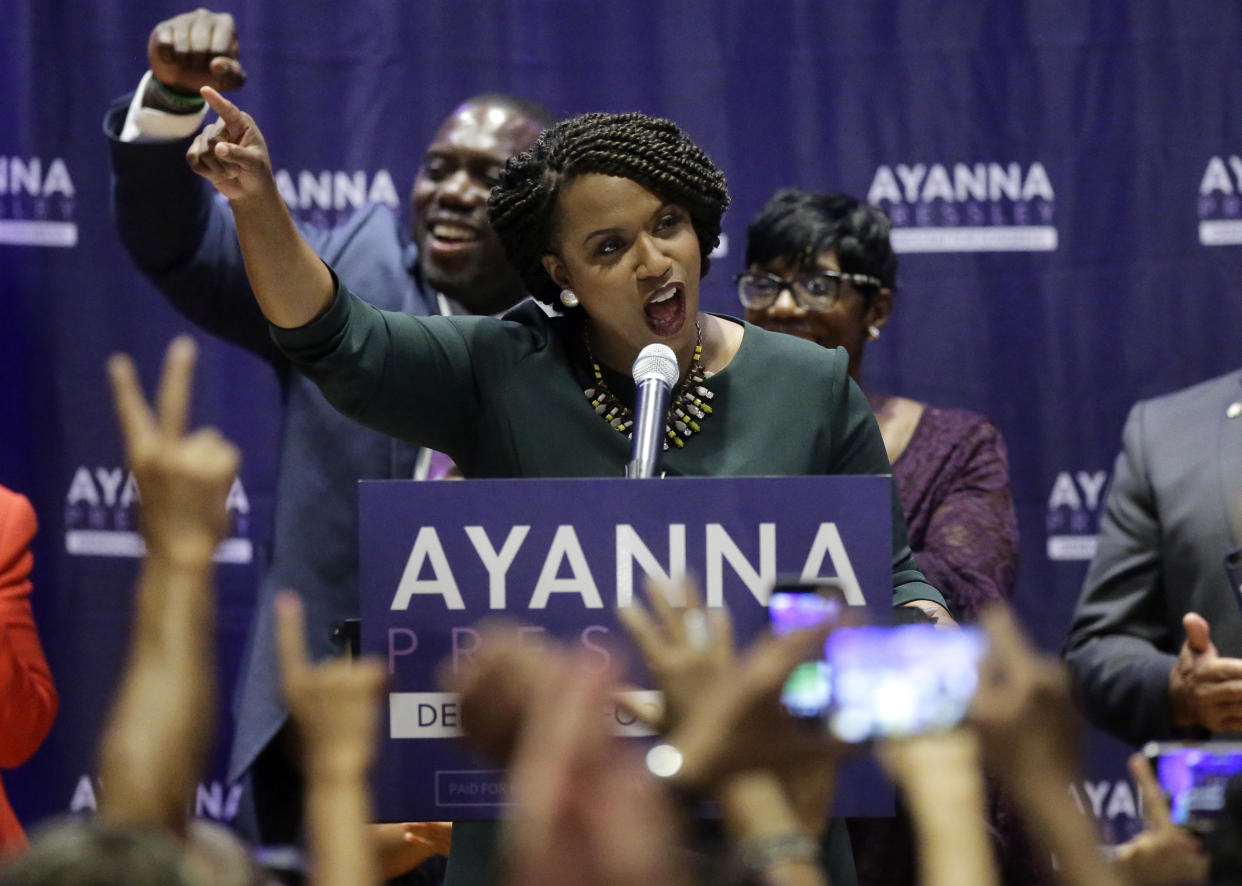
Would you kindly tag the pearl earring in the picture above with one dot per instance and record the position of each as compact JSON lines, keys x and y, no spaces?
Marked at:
{"x":873,"y":332}
{"x":568,"y":299}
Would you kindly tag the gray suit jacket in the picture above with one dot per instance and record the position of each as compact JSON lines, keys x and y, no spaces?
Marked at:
{"x":1170,"y":516}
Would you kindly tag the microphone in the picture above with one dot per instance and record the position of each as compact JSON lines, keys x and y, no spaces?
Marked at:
{"x":655,"y":373}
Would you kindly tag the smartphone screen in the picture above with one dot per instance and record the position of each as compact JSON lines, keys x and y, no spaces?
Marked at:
{"x":793,"y":605}
{"x":900,"y":681}
{"x":876,"y":682}
{"x":1193,"y":776}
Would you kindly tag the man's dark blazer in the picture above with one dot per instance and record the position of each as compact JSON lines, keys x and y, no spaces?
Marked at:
{"x":1171,"y":515}
{"x":185,"y":241}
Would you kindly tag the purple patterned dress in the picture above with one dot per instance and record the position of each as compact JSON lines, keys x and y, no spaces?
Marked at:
{"x":953,"y":479}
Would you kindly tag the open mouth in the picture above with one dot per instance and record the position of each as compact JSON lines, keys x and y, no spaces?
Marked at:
{"x":665,"y":309}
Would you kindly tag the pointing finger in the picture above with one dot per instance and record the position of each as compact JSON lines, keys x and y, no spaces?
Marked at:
{"x":229,"y":112}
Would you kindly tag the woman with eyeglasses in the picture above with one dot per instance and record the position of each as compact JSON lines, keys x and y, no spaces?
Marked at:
{"x":821,"y":267}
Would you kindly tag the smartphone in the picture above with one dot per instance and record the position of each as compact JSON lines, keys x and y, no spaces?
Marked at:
{"x":794,"y":604}
{"x":873,"y":682}
{"x":1193,"y":776}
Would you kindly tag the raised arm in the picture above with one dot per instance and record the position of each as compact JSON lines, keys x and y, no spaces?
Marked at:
{"x":156,"y":741}
{"x":1029,"y":736}
{"x":289,"y":281}
{"x":335,"y":707}
{"x":940,"y":776}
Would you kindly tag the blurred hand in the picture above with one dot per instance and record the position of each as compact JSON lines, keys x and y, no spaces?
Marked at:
{"x":334,"y":704}
{"x":1022,"y":709}
{"x":231,"y":153}
{"x":588,"y":811}
{"x":923,"y":764}
{"x":196,"y":49}
{"x":435,"y":835}
{"x":183,"y":479}
{"x":495,"y":689}
{"x":398,"y":852}
{"x":940,"y":776}
{"x":685,"y":647}
{"x":1205,"y":689}
{"x":723,"y":712}
{"x":938,"y":614}
{"x":1162,"y":854}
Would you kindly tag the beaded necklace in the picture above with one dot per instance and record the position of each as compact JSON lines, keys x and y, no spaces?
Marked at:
{"x":687,"y":407}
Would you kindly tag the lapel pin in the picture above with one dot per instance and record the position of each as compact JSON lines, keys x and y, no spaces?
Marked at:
{"x":1234,"y":410}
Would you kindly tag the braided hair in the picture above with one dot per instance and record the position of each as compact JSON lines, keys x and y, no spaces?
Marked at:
{"x":651,"y":151}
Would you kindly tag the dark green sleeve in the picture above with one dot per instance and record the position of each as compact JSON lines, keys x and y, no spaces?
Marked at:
{"x":861,"y":451}
{"x":411,"y":377}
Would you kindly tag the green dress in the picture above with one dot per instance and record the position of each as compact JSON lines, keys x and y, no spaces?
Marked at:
{"x":504,"y":398}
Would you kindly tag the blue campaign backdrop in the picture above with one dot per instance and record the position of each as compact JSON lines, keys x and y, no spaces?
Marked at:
{"x":1064,"y":177}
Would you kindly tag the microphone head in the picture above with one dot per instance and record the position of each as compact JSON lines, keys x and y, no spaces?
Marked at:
{"x":656,"y":361}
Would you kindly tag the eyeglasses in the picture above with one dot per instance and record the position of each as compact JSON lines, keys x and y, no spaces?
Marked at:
{"x":815,"y":292}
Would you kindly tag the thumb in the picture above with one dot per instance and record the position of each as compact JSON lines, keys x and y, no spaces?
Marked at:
{"x":1198,"y":634}
{"x":228,"y":72}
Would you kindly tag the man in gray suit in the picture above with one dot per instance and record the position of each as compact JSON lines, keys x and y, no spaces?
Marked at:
{"x":1155,"y":648}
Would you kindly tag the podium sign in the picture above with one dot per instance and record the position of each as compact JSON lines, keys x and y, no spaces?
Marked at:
{"x":561,"y":556}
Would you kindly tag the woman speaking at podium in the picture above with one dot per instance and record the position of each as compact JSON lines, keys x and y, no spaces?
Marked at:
{"x":610,"y":217}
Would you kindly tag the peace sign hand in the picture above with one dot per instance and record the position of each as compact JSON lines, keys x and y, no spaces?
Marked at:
{"x":183,"y":479}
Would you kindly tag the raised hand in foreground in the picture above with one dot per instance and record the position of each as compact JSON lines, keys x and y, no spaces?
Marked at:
{"x":1028,"y":731}
{"x":1162,"y":854}
{"x":722,"y":710}
{"x":728,"y":736}
{"x":941,"y":779}
{"x":153,"y":750}
{"x":334,"y":706}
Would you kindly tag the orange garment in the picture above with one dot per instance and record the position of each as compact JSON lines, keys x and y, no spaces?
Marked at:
{"x":28,"y":700}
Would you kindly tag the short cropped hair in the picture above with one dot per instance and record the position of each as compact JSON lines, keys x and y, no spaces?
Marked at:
{"x":800,"y":225}
{"x":651,"y":151}
{"x":528,"y":108}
